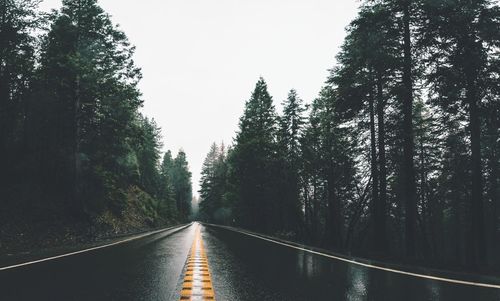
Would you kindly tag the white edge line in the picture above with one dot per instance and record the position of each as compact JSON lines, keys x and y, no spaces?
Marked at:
{"x":456,"y":281}
{"x":89,"y":249}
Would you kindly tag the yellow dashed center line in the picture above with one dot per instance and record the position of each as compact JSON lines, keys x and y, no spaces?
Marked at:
{"x":197,"y":283}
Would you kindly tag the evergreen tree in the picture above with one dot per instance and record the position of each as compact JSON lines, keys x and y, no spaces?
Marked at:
{"x":291,"y":125}
{"x":19,"y":22}
{"x":365,"y":79}
{"x":213,"y":186}
{"x":148,"y":156}
{"x":254,"y":162}
{"x":74,"y":149}
{"x":460,"y":77}
{"x":336,"y":150}
{"x":168,"y":206}
{"x":182,"y":187}
{"x":88,"y":80}
{"x":209,"y":201}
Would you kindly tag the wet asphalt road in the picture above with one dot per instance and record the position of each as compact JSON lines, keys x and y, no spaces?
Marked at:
{"x":247,"y":268}
{"x":144,"y":269}
{"x":242,"y":268}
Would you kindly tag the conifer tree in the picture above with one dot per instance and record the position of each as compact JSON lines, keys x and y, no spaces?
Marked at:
{"x":88,"y":80}
{"x":181,"y":182}
{"x":254,"y":162}
{"x":291,"y":125}
{"x":19,"y":22}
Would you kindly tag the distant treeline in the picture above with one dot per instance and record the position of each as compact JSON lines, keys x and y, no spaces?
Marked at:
{"x":73,"y":145}
{"x":398,"y":155}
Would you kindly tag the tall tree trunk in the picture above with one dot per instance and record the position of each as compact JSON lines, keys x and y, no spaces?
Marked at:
{"x":493,"y":177}
{"x":374,"y":172}
{"x":307,"y":209}
{"x":409,"y":185}
{"x":426,"y":216}
{"x":5,"y":113}
{"x":6,"y":106}
{"x":78,"y":198}
{"x":334,"y":216}
{"x":476,"y":246}
{"x":315,"y":215}
{"x":77,"y":168}
{"x":373,"y":153}
{"x":380,"y":208}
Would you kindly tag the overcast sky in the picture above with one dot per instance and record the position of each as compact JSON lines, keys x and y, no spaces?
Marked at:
{"x":201,"y":59}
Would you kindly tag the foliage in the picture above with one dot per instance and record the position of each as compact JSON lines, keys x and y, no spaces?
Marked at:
{"x":73,"y":143}
{"x":399,"y":155}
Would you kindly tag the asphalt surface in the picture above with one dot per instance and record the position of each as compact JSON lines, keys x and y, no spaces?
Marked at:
{"x":143,"y":269}
{"x":242,"y":268}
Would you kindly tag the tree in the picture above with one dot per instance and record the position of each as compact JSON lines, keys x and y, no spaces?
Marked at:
{"x":209,"y":200}
{"x":459,"y":76}
{"x":88,"y":80}
{"x":213,"y":186}
{"x":75,"y":153}
{"x":291,"y":125}
{"x":181,"y":182}
{"x":364,"y":79}
{"x":253,"y":162}
{"x":408,"y":171}
{"x":19,"y":21}
{"x":336,"y":152}
{"x":168,"y":206}
{"x":148,"y":156}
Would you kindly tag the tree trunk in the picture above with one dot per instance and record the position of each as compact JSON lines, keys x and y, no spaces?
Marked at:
{"x":494,"y":170}
{"x":77,"y":115}
{"x":380,"y":208}
{"x":373,"y":155}
{"x":493,"y":177}
{"x":334,"y":216}
{"x":77,"y":197}
{"x":307,"y":208}
{"x":476,"y":246}
{"x":4,"y":96}
{"x":315,"y":215}
{"x":409,"y":186}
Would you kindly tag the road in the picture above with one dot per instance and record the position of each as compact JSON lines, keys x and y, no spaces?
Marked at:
{"x":227,"y":263}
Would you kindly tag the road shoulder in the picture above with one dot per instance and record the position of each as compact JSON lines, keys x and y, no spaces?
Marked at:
{"x":11,"y":261}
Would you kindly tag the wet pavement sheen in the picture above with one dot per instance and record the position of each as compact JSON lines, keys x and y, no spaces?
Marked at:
{"x":144,"y":269}
{"x":255,"y":269}
{"x":241,"y":267}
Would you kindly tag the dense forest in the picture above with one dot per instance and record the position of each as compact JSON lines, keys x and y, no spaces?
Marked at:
{"x":76,"y":155}
{"x":397,"y":158}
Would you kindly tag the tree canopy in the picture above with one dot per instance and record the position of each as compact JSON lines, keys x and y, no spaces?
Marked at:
{"x":397,"y":157}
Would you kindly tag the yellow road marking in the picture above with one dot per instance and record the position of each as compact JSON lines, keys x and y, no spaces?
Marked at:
{"x":197,"y":283}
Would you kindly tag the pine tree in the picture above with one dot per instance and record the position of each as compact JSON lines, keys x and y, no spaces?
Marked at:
{"x":291,"y":125}
{"x":208,"y":198}
{"x":253,"y":162}
{"x":213,"y":186}
{"x":168,"y":206}
{"x":181,"y":182}
{"x":88,"y":80}
{"x":148,"y":156}
{"x":73,"y":144}
{"x":365,"y":80}
{"x":459,"y":76}
{"x":336,"y":153}
{"x":19,"y":22}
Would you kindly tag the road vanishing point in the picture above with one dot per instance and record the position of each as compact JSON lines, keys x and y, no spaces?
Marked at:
{"x":207,"y":262}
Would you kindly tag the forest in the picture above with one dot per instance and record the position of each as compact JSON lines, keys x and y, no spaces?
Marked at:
{"x":396,"y":159}
{"x":77,"y":158}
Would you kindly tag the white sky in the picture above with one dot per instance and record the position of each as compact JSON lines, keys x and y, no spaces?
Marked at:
{"x":201,"y":59}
